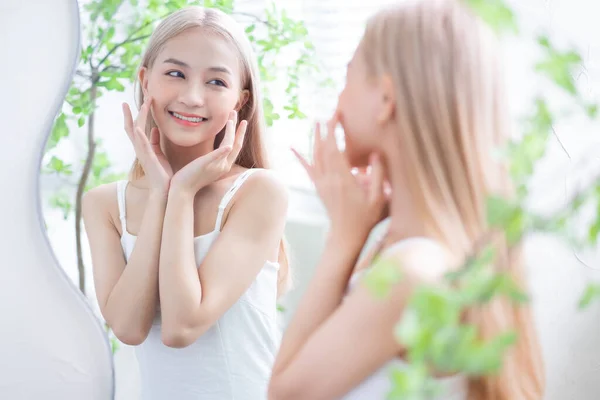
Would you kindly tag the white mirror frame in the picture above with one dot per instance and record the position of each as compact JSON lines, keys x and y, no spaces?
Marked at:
{"x":52,"y":344}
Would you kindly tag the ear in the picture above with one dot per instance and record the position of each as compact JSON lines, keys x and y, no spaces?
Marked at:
{"x":388,"y":99}
{"x":143,"y":78}
{"x":244,"y":96}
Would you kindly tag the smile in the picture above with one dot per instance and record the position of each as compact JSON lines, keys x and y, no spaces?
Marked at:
{"x":187,"y":119}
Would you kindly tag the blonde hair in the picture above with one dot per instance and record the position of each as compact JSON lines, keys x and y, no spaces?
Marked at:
{"x":253,"y":153}
{"x":452,"y":115}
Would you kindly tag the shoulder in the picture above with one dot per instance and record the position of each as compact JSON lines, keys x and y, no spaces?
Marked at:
{"x":263,"y":192}
{"x":265,"y":186}
{"x":420,"y":261}
{"x":100,"y":201}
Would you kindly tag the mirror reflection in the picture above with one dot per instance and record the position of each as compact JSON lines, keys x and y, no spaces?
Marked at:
{"x":407,"y":230}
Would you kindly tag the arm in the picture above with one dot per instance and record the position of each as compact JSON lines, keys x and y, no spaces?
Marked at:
{"x":303,"y":372}
{"x":323,"y":295}
{"x":127,"y":293}
{"x":193,"y":298}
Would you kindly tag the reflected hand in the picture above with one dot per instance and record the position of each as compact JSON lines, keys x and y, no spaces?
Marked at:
{"x":212,"y":166}
{"x":148,"y":152}
{"x":353,"y":207}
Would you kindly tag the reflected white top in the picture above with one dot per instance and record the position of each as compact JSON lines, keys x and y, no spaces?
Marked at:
{"x":378,"y":385}
{"x":233,"y":359}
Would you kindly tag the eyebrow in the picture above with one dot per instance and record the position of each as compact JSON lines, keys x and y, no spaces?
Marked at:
{"x":184,"y":65}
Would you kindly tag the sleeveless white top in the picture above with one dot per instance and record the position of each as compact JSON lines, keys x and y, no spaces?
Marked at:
{"x":230,"y":361}
{"x":378,"y":385}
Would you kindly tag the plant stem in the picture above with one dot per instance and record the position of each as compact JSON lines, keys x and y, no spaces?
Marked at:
{"x":83,"y":181}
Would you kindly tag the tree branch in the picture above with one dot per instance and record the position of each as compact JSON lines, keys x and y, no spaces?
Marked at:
{"x":255,"y":18}
{"x":124,"y":42}
{"x":81,"y":188}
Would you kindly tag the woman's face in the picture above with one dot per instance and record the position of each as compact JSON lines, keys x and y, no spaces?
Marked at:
{"x":359,"y":109}
{"x":195,"y":84}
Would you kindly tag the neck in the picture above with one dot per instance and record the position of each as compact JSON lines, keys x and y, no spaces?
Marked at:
{"x":405,"y":221}
{"x":179,"y":156}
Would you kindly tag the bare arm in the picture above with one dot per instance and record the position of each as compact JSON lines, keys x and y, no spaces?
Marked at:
{"x":316,"y":344}
{"x":329,"y":283}
{"x":192,"y":298}
{"x":127,"y":292}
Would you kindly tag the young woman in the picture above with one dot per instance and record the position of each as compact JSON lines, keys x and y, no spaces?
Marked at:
{"x":187,"y":254}
{"x":423,"y":105}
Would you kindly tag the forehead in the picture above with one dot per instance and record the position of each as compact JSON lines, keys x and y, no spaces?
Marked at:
{"x":200,"y":48}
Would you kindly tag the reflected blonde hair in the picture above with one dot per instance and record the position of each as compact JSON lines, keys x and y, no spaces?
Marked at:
{"x":253,"y":153}
{"x":452,"y":115}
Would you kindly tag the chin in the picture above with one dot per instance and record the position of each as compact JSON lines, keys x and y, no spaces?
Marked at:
{"x":356,"y":160}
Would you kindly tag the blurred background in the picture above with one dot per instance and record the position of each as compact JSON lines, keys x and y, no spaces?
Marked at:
{"x":303,"y":46}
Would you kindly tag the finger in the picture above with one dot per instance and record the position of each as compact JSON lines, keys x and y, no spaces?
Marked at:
{"x":333,"y":123}
{"x":334,"y":159}
{"x":377,"y":178}
{"x":229,"y":137}
{"x":304,"y":163}
{"x":154,"y":136}
{"x":387,"y":191}
{"x":317,"y":147}
{"x":239,"y":141}
{"x":364,"y":181}
{"x":127,"y":120}
{"x":140,"y":137}
{"x":142,"y":117}
{"x":218,"y":154}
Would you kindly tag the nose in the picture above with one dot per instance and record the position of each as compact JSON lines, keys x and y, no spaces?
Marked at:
{"x":192,"y":95}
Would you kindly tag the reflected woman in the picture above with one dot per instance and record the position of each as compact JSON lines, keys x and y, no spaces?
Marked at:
{"x":188,"y":253}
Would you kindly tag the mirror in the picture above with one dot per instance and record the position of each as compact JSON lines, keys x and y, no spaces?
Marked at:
{"x":53,"y":346}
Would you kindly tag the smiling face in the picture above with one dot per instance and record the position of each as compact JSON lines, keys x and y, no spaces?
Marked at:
{"x":195,"y":82}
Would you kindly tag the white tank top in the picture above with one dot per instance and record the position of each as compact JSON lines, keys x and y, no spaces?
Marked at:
{"x":233,"y":359}
{"x":378,"y":385}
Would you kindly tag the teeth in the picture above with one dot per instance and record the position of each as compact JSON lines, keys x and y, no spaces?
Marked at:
{"x":190,"y":119}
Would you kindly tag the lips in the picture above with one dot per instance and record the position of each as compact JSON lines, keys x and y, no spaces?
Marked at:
{"x":193,"y":118}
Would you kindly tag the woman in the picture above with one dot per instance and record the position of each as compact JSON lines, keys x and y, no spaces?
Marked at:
{"x":424,"y":106}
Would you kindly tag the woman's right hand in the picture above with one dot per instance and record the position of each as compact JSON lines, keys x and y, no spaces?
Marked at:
{"x":148,"y":152}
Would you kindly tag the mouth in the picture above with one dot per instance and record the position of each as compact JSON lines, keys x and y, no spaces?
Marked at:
{"x":187,"y":119}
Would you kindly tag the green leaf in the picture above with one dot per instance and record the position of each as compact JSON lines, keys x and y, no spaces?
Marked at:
{"x":592,"y":110}
{"x":112,"y":84}
{"x":559,"y":66}
{"x":496,"y":14}
{"x":62,"y":202}
{"x":591,"y":293}
{"x":382,"y":276}
{"x":59,"y":131}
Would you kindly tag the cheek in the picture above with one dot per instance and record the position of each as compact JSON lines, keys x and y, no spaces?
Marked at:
{"x":221,"y":105}
{"x":162,"y":91}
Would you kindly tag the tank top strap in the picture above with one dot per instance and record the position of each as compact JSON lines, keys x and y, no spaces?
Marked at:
{"x":121,"y":187}
{"x":229,"y":195}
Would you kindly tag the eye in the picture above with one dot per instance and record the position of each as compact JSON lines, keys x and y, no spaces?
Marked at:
{"x":175,"y":74}
{"x":218,"y":82}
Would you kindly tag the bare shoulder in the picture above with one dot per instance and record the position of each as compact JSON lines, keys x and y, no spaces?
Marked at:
{"x":421,"y":261}
{"x":263,"y":194}
{"x":100,"y":201}
{"x":265,"y":187}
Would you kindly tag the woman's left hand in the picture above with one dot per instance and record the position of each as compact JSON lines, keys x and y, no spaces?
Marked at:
{"x":212,"y":166}
{"x":353,"y":209}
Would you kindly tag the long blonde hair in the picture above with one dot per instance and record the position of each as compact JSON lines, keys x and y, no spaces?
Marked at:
{"x":253,"y":153}
{"x":452,"y":114}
